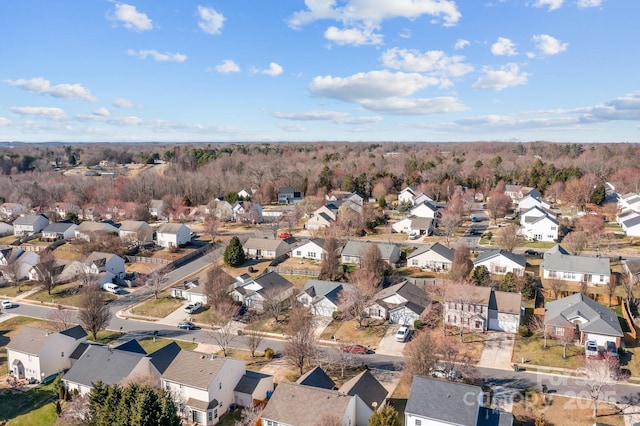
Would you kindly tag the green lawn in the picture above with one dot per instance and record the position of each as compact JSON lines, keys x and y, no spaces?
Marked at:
{"x":150,"y":346}
{"x":8,"y":329}
{"x":65,"y":294}
{"x":43,"y":416}
{"x":13,"y":291}
{"x":104,"y":336}
{"x":531,"y":348}
{"x":158,"y":308}
{"x":14,"y":404}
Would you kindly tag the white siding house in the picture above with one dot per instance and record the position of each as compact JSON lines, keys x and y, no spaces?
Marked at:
{"x":173,"y":235}
{"x":499,"y":262}
{"x":558,"y":264}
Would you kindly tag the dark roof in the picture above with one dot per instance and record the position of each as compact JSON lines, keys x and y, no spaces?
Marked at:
{"x":162,"y":358}
{"x":488,"y":254}
{"x":316,"y":378}
{"x":416,"y":298}
{"x":131,"y":346}
{"x":494,"y":417}
{"x":320,"y":288}
{"x":367,"y":387}
{"x":76,"y":332}
{"x":249,"y":382}
{"x":600,"y":319}
{"x":58,"y":227}
{"x":102,"y":363}
{"x":79,"y":350}
{"x":444,"y":401}
{"x":273,"y":280}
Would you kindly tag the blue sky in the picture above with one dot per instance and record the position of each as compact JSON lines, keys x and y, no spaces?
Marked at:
{"x":320,"y":70}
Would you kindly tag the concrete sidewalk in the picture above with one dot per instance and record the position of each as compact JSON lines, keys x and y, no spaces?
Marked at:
{"x":497,"y":351}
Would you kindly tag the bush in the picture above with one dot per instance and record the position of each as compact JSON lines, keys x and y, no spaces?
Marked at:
{"x":524,"y":331}
{"x":417,"y":324}
{"x":488,"y":235}
{"x":335,"y":315}
{"x":269,"y":353}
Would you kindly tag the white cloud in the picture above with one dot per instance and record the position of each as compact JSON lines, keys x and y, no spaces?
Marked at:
{"x":498,"y":79}
{"x":504,"y":47}
{"x":553,"y":4}
{"x":374,"y":11}
{"x":4,"y":121}
{"x":405,"y":33}
{"x":227,"y":66}
{"x":132,"y":19}
{"x":461,"y":44}
{"x":122,"y":103}
{"x":353,"y":36}
{"x":49,"y":113}
{"x":211,"y":22}
{"x":273,"y":70}
{"x":415,"y":106}
{"x":131,"y":120}
{"x":334,"y":116}
{"x":548,"y":45}
{"x":623,"y":108}
{"x":292,"y":127}
{"x":42,"y":86}
{"x":589,"y":3}
{"x":160,"y":57}
{"x":433,"y":61}
{"x":102,"y":112}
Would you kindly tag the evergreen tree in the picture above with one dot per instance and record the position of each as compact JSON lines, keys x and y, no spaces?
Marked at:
{"x":146,"y":408}
{"x":481,"y":276}
{"x":97,"y":397}
{"x":234,"y":253}
{"x":386,"y":416}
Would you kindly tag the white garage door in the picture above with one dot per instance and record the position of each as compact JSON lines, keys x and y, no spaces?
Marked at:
{"x":503,"y":324}
{"x":193,"y":298}
{"x":600,"y":340}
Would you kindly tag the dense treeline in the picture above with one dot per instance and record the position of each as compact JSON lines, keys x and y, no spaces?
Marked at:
{"x":200,"y":172}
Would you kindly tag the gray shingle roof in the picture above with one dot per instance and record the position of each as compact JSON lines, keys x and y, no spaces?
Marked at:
{"x":58,"y":227}
{"x":133,"y":225}
{"x":272,"y":281}
{"x":264,"y":244}
{"x":76,"y":332}
{"x":29,"y":219}
{"x":103,"y":363}
{"x":170,"y":228}
{"x":438,"y":248}
{"x":557,"y":259}
{"x":488,"y":254}
{"x":29,"y":340}
{"x":249,"y":382}
{"x":320,"y":288}
{"x":162,"y":358}
{"x":444,"y":401}
{"x":194,"y":369}
{"x":601,"y":320}
{"x":316,"y":378}
{"x":417,"y":299}
{"x":367,"y":387}
{"x":359,"y":248}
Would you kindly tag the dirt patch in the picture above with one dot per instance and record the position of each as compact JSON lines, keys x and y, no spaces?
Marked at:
{"x":279,"y":369}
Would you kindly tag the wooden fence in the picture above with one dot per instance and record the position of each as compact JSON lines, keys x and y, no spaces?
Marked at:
{"x":288,"y":271}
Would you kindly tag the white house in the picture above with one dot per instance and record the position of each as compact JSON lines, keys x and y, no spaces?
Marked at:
{"x":265,"y":248}
{"x":29,"y":224}
{"x":321,"y":296}
{"x":173,"y":235}
{"x":89,"y":231}
{"x":253,"y":386}
{"x":312,"y":249}
{"x":401,"y":303}
{"x":11,"y":210}
{"x":136,"y":231}
{"x":631,"y":226}
{"x":267,"y":288}
{"x":202,"y":385}
{"x":533,"y":213}
{"x":319,"y":220}
{"x":59,"y":231}
{"x":37,"y":353}
{"x":436,"y":257}
{"x":156,"y":209}
{"x":499,"y":262}
{"x":414,"y":225}
{"x":530,"y":201}
{"x":5,"y":229}
{"x":543,"y":228}
{"x":558,"y":264}
{"x":98,"y":262}
{"x":426,"y":209}
{"x":354,"y":251}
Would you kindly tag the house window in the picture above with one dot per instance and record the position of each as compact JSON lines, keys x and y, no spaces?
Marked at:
{"x":418,"y":422}
{"x":478,"y":324}
{"x":299,"y":253}
{"x":553,"y":228}
{"x":557,"y":331}
{"x":215,"y":413}
{"x":500,"y":269}
{"x":569,"y":276}
{"x":601,"y":278}
{"x":210,"y":416}
{"x":414,"y":262}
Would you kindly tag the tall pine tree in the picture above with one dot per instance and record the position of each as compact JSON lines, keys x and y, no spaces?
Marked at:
{"x":234,"y":253}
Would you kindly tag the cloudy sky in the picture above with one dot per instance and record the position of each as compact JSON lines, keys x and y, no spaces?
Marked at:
{"x":318,"y":70}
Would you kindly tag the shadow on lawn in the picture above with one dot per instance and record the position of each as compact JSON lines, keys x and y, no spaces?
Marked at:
{"x":15,"y":402}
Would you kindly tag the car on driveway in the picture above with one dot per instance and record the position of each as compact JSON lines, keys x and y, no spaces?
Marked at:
{"x":591,"y":348}
{"x":192,"y":307}
{"x":356,"y":349}
{"x":403,"y":334}
{"x":532,"y":252}
{"x":611,"y":351}
{"x":7,"y":304}
{"x":187,"y":325}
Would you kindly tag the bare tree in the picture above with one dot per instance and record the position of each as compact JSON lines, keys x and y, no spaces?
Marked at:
{"x":509,"y":237}
{"x":47,"y":270}
{"x":372,"y":260}
{"x":94,"y":314}
{"x":575,"y":242}
{"x":76,"y":411}
{"x":449,"y":220}
{"x":612,"y":285}
{"x":566,"y":339}
{"x":216,"y":286}
{"x":11,"y":271}
{"x":331,"y":261}
{"x":354,"y":299}
{"x":223,"y":333}
{"x":212,"y":226}
{"x":62,"y":318}
{"x":556,"y":286}
{"x":462,"y":264}
{"x":498,"y":205}
{"x":627,"y":283}
{"x":539,"y":328}
{"x":454,"y":361}
{"x":272,"y":304}
{"x":419,"y":356}
{"x":301,"y":344}
{"x":340,"y":357}
{"x":253,"y":338}
{"x":596,"y":377}
{"x":249,"y":416}
{"x":157,"y":279}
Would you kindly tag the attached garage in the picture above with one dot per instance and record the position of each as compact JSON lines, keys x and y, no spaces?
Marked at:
{"x":505,"y":322}
{"x":403,"y":315}
{"x":600,"y":339}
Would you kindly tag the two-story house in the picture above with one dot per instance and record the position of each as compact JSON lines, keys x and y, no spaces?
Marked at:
{"x":29,"y":224}
{"x":288,"y":195}
{"x":172,"y":235}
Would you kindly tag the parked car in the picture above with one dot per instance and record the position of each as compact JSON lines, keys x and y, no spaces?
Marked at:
{"x":532,"y":252}
{"x":474,"y":219}
{"x":112,"y":288}
{"x":186,"y":325}
{"x":413,"y":235}
{"x":403,"y":334}
{"x":509,"y":218}
{"x":611,"y":350}
{"x":591,"y":348}
{"x":284,"y":235}
{"x":242,"y":314}
{"x":356,"y":349}
{"x":192,"y":307}
{"x":7,"y":304}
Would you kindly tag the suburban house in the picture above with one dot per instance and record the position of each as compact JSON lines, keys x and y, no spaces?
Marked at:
{"x":543,"y":228}
{"x":625,"y":215}
{"x":585,"y":318}
{"x":268,"y":288}
{"x":9,"y":253}
{"x":172,"y":235}
{"x":202,"y":385}
{"x":265,"y":248}
{"x":530,"y":201}
{"x":319,"y":220}
{"x":499,"y":262}
{"x":252,"y":387}
{"x":247,"y":211}
{"x":354,"y":251}
{"x":321,"y":296}
{"x":312,"y":249}
{"x":59,"y":231}
{"x":482,"y":308}
{"x":113,"y":364}
{"x":35,"y":353}
{"x":29,"y":224}
{"x":89,"y":231}
{"x":27,"y":265}
{"x":436,"y":257}
{"x":410,"y":195}
{"x":447,"y":403}
{"x":11,"y":210}
{"x":401,"y":303}
{"x":414,"y":225}
{"x":631,"y":267}
{"x":428,"y":209}
{"x":335,"y":195}
{"x":193,"y":291}
{"x":518,"y":192}
{"x":314,"y":398}
{"x":558,"y":264}
{"x":244,"y":194}
{"x":6,"y":229}
{"x":65,"y":210}
{"x":630,"y":201}
{"x":136,"y":232}
{"x":156,"y":209}
{"x":533,"y":213}
{"x":97,"y":263}
{"x":221,"y":209}
{"x":289,"y":196}
{"x":631,"y":226}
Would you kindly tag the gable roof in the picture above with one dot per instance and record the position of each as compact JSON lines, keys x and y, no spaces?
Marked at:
{"x":75,"y":332}
{"x":440,"y":249}
{"x":558,"y":259}
{"x":264,"y":244}
{"x":162,"y":358}
{"x":472,"y":294}
{"x":321,"y":288}
{"x":368,"y":389}
{"x":131,"y":346}
{"x":170,"y":228}
{"x":29,"y":219}
{"x":250,"y":381}
{"x":79,"y":350}
{"x":133,"y":225}
{"x":96,"y":227}
{"x":489,"y":254}
{"x":355,"y":248}
{"x":416,"y":298}
{"x":444,"y":401}
{"x":102,"y":363}
{"x":601,"y":320}
{"x":194,"y":369}
{"x":272,"y":281}
{"x":317,"y":378}
{"x":29,"y":340}
{"x":58,"y":227}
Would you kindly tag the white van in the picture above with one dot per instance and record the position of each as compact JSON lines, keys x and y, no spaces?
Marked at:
{"x":111,"y":288}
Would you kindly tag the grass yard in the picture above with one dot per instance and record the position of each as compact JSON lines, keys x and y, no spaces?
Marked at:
{"x":531,"y":348}
{"x":565,"y":411}
{"x":150,"y":346}
{"x":65,"y":294}
{"x":8,"y":329}
{"x":13,"y":291}
{"x":18,"y":403}
{"x":347,"y":331}
{"x":158,"y":308}
{"x":104,"y":336}
{"x":43,"y":416}
{"x":268,"y":325}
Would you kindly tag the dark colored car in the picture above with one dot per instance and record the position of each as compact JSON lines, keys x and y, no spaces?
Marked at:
{"x":532,"y":252}
{"x":242,"y":314}
{"x":356,"y":349}
{"x":186,"y":325}
{"x":611,"y":350}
